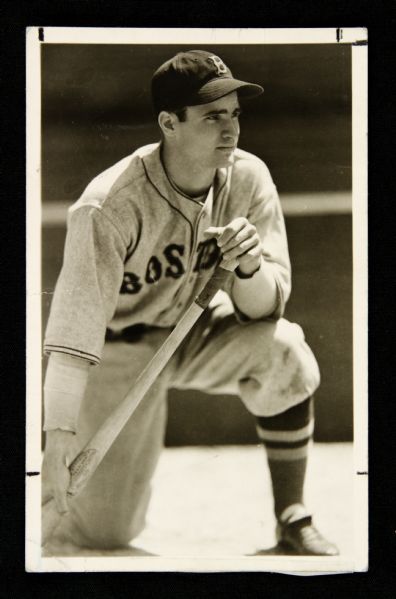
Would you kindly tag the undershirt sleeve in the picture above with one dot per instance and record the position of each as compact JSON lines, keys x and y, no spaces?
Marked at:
{"x":64,"y":387}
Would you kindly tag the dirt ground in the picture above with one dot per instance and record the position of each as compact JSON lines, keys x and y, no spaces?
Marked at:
{"x":218,"y":501}
{"x":213,"y":502}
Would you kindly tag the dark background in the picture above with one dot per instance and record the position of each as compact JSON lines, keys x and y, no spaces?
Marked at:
{"x":380,"y":18}
{"x":96,"y":109}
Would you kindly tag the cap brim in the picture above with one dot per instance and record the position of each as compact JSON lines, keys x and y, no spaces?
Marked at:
{"x":217,"y":88}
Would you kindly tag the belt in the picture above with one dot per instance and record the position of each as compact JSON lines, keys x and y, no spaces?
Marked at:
{"x":132,"y":334}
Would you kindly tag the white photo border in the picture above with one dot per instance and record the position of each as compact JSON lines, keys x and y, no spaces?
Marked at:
{"x":357,"y":37}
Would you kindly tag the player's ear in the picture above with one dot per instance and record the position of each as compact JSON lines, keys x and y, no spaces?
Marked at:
{"x":167,"y":121}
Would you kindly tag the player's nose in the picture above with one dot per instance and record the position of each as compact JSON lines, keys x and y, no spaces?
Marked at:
{"x":230,"y":130}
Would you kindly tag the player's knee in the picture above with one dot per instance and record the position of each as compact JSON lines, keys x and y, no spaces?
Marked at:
{"x":122,"y":536}
{"x":284,"y":372}
{"x":295,"y":355}
{"x":288,"y":336}
{"x":280,"y":338}
{"x":108,"y":536}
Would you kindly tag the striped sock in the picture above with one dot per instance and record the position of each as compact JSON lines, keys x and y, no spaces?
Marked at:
{"x":286,"y":438}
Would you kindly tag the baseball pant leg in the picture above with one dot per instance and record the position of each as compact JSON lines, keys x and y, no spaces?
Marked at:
{"x":267,"y":363}
{"x":272,"y":369}
{"x":111,"y":509}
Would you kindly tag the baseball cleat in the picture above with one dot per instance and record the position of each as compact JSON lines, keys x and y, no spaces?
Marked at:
{"x":302,"y":538}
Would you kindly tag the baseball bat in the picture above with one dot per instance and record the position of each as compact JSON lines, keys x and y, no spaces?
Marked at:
{"x":86,"y":462}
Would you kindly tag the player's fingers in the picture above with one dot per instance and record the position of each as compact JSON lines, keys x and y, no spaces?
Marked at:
{"x":224,"y":234}
{"x":242,"y":248}
{"x":60,"y":490}
{"x":59,"y":479}
{"x":213,"y":232}
{"x":229,"y":264}
{"x":232,"y":229}
{"x":245,"y":234}
{"x":47,"y":494}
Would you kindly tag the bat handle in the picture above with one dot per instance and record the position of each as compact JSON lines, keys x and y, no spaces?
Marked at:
{"x":216,"y":282}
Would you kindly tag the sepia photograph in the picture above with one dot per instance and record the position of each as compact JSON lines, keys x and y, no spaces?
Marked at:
{"x":196,"y":300}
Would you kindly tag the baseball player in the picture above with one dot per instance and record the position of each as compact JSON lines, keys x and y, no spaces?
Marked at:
{"x":142,"y":240}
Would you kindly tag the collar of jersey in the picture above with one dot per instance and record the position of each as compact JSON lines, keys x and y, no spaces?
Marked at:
{"x":200,"y":199}
{"x":158,"y":177}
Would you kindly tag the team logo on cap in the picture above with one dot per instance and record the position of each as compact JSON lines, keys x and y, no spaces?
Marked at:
{"x":221,"y":69}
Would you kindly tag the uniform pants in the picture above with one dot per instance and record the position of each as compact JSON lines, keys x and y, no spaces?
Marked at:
{"x":266,"y":363}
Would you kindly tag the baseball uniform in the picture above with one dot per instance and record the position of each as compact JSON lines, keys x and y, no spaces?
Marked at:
{"x":134,"y":260}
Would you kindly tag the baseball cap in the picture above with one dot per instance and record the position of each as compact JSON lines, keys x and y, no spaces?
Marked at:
{"x":195,"y":77}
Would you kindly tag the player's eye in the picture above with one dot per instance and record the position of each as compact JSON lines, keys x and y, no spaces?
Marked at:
{"x":213,"y":117}
{"x":237,"y":113}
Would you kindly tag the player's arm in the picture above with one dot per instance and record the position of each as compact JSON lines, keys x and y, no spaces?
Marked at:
{"x":258,"y":245}
{"x":84,"y":301}
{"x":64,"y":388}
{"x":254,"y":286}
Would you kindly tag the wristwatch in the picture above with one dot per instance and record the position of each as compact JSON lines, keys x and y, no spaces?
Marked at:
{"x":242,"y":275}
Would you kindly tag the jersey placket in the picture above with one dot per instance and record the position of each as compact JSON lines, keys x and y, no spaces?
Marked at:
{"x":203,"y":221}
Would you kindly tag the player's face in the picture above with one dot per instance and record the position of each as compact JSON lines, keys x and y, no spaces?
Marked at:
{"x":209,"y":135}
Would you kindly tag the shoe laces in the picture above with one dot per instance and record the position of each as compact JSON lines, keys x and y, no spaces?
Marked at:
{"x":307,"y":530}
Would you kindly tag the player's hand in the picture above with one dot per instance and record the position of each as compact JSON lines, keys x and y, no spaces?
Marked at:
{"x":239,"y":243}
{"x":58,"y":452}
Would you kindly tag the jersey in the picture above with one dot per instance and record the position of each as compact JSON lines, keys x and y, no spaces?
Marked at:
{"x":135,"y":253}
